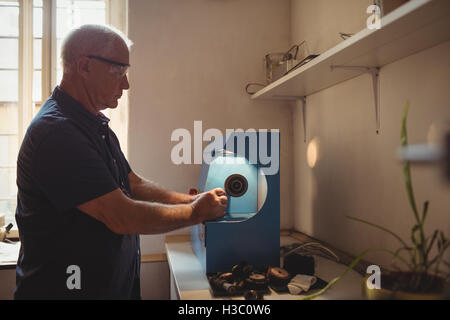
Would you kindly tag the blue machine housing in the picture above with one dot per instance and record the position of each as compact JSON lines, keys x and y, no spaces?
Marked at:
{"x":244,"y":233}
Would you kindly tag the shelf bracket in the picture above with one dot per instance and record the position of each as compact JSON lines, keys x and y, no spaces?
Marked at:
{"x":303,"y":99}
{"x":374,"y":71}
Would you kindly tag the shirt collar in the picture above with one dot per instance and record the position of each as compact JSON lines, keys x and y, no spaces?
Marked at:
{"x":75,"y":110}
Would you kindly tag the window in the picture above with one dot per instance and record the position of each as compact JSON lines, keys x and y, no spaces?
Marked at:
{"x":31,"y":32}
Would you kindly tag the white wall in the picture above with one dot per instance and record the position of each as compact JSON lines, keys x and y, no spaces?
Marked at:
{"x":357,"y":173}
{"x":191,"y":61}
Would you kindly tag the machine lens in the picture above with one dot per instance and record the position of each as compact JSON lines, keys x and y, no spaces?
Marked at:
{"x":236,"y":185}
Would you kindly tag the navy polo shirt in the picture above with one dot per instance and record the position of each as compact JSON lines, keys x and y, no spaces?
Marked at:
{"x":68,"y":157}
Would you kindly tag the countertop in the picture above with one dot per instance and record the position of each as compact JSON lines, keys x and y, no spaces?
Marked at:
{"x":189,"y":281}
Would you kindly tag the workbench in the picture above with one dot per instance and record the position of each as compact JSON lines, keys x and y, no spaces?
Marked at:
{"x":188,"y":280}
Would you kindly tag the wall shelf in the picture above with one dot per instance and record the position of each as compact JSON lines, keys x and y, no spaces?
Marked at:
{"x":415,"y":26}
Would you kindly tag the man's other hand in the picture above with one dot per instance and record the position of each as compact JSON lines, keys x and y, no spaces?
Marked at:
{"x":210,"y":205}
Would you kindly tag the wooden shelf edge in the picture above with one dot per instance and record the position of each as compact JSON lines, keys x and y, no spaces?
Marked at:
{"x":178,"y":238}
{"x":157,"y":257}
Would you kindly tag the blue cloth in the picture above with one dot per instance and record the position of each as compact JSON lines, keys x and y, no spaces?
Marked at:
{"x":68,"y":157}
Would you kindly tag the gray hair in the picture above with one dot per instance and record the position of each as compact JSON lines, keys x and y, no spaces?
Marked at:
{"x":89,"y":39}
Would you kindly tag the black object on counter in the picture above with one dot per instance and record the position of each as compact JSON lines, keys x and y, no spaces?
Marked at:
{"x":299,"y":264}
{"x":243,"y":280}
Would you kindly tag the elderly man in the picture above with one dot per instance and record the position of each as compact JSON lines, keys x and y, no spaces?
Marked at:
{"x":80,"y":206}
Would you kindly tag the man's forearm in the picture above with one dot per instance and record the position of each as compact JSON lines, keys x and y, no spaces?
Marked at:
{"x":145,"y":190}
{"x":156,"y":218}
{"x":124,"y":215}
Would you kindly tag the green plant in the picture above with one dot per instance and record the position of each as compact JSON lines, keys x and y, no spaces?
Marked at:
{"x":423,"y":268}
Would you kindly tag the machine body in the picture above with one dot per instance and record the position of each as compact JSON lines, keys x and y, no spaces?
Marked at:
{"x":250,"y":231}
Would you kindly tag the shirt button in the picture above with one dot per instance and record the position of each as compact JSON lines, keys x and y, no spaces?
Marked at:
{"x":103,"y":137}
{"x":104,"y":123}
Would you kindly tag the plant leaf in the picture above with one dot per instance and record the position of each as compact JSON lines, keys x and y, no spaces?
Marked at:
{"x":379,"y":227}
{"x":396,"y":255}
{"x":433,"y":238}
{"x":350,"y":267}
{"x":443,"y":238}
{"x":414,"y":229}
{"x":404,"y":134}
{"x":425,"y":211}
{"x":406,"y":169}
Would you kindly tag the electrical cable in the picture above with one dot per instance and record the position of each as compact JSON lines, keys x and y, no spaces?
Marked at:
{"x":301,"y":63}
{"x":287,"y":56}
{"x":344,"y":35}
{"x":253,"y":84}
{"x":317,"y":249}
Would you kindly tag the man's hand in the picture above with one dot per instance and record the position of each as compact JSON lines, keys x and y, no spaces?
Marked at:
{"x":209,"y":205}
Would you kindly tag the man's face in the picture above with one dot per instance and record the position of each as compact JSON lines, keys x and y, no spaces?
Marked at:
{"x":106,"y":80}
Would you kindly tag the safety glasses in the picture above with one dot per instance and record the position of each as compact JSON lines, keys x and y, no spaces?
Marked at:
{"x":117,"y":68}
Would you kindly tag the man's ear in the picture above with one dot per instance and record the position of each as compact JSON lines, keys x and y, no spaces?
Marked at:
{"x":83,"y":66}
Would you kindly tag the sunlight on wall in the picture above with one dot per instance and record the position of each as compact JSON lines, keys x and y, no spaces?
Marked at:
{"x":312,"y":152}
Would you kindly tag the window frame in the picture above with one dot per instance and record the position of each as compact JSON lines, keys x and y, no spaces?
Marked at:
{"x":20,"y":98}
{"x":50,"y":61}
{"x":116,"y":14}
